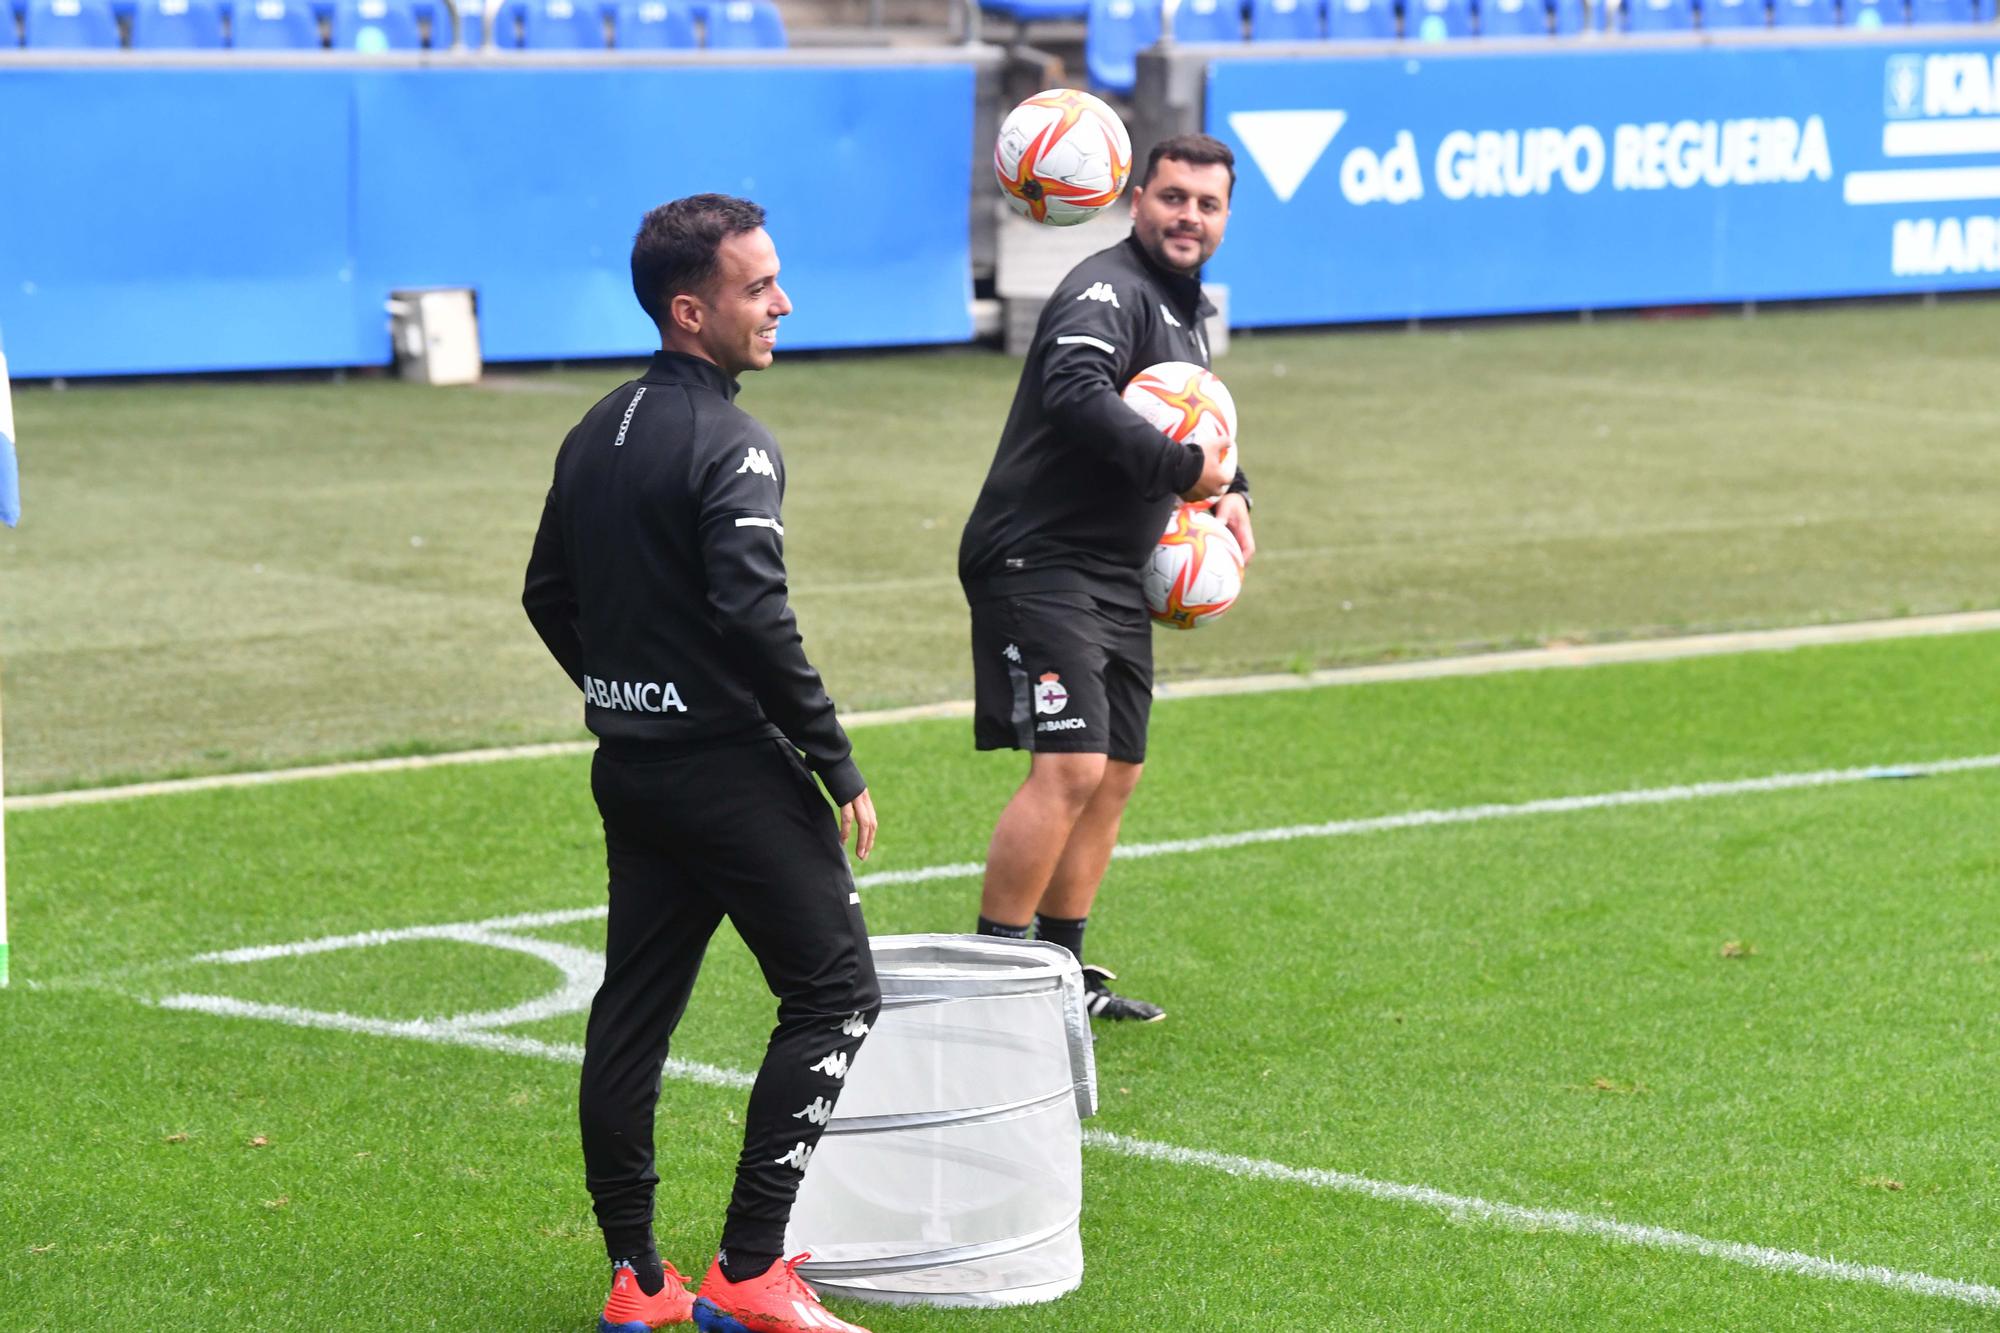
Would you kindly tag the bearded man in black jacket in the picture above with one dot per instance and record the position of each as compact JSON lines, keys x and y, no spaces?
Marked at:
{"x":1079,"y":492}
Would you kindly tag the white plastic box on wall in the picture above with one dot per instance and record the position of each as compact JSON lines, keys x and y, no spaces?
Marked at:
{"x":435,"y":334}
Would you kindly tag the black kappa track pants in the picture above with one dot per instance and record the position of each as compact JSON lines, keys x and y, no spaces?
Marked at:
{"x":742,"y":832}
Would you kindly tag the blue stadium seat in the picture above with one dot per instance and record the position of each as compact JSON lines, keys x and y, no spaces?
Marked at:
{"x":508,"y":20}
{"x":1437,"y":20}
{"x":60,"y":25}
{"x":375,"y":25}
{"x":1286,"y":20}
{"x":1119,"y":30}
{"x":1513,"y":18}
{"x":563,"y":25}
{"x":1658,"y":15}
{"x":176,"y":25}
{"x":740,"y":25}
{"x":274,"y":25}
{"x":653,"y":25}
{"x":1944,"y":11}
{"x":1873,"y":13}
{"x":1360,"y":20}
{"x":1571,"y":17}
{"x":1208,"y":21}
{"x":1804,"y":13}
{"x":1732,"y":13}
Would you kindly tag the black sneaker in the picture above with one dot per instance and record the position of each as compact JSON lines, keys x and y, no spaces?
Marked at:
{"x":1104,"y":1003}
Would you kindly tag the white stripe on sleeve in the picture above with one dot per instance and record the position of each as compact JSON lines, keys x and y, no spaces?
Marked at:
{"x":770,"y":523}
{"x":1088,"y":341}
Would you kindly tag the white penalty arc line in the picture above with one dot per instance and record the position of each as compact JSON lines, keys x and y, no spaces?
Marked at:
{"x":448,"y":1032}
{"x":1473,"y":814}
{"x":259,"y":953}
{"x":1511,"y":1216}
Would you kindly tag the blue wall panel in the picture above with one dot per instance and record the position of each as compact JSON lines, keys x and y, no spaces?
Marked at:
{"x":173,"y":220}
{"x":1386,"y":188}
{"x":186,"y":220}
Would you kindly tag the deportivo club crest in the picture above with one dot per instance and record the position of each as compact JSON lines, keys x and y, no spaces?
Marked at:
{"x":1050,"y":696}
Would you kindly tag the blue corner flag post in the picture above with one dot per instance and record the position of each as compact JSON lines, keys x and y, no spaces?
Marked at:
{"x":10,"y":514}
{"x":10,"y":476}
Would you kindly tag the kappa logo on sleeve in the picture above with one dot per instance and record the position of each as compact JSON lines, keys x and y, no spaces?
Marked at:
{"x":1101,"y":291}
{"x":759,"y":462}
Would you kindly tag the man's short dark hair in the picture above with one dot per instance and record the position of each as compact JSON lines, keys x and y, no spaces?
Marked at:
{"x":674,"y":251}
{"x":1197,"y":150}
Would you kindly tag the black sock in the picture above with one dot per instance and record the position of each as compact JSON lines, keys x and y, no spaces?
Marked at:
{"x":646,"y":1268}
{"x":987,"y":927}
{"x":740,"y":1265}
{"x":1064,"y":930}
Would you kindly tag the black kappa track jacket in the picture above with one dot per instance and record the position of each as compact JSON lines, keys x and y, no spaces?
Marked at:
{"x":1081,"y":485}
{"x":658,"y":575}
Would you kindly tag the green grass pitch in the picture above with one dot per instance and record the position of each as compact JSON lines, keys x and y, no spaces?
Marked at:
{"x":1762,"y":1018}
{"x":218,"y":576}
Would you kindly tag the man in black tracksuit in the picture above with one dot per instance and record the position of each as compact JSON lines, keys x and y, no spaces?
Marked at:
{"x":658,"y":583}
{"x":1080,"y":490}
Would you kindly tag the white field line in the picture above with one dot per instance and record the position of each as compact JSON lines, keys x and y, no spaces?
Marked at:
{"x":1512,"y":1216}
{"x":1481,"y":664}
{"x":1517,"y":1218}
{"x":438,"y":1031}
{"x":1473,"y":814}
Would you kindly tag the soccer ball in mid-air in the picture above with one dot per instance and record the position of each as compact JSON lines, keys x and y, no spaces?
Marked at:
{"x":1196,"y":572}
{"x":1189,"y":404}
{"x":1062,"y":155}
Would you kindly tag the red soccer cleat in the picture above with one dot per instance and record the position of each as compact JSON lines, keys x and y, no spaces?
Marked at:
{"x":628,"y":1309}
{"x":777,"y":1300}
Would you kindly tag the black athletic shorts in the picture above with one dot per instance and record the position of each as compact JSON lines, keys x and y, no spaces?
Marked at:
{"x":1062,"y":673}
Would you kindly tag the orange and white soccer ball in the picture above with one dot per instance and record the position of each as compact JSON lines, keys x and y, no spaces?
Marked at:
{"x":1196,"y":572}
{"x":1190,"y":404}
{"x":1062,"y":155}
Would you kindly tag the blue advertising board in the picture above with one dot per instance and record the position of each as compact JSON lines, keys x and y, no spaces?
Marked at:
{"x":196,"y":219}
{"x":1394,"y":187}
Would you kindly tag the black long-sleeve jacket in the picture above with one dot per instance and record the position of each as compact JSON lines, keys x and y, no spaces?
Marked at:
{"x":1081,"y":485}
{"x":658,"y":575}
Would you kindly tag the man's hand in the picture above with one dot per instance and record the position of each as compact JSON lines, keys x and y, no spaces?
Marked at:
{"x":1234,"y":512}
{"x":1215,"y":471}
{"x":860,"y":812}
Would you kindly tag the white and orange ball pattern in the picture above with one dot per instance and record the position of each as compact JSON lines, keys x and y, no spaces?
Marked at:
{"x":1196,"y":573}
{"x":1062,"y":156}
{"x":1190,"y":404}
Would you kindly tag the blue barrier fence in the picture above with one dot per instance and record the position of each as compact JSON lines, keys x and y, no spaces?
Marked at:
{"x":197,"y":219}
{"x":1422,"y":185}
